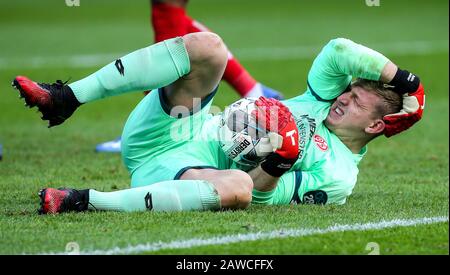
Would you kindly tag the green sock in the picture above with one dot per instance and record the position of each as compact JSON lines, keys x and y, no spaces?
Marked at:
{"x":174,"y":195}
{"x":153,"y":67}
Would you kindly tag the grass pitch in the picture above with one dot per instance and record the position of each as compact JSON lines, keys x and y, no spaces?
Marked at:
{"x":403,"y":178}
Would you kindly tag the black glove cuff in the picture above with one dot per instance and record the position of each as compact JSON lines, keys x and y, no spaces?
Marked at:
{"x":404,"y":82}
{"x":275,"y":165}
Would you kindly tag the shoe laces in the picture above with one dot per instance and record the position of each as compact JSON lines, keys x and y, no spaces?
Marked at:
{"x":59,"y":82}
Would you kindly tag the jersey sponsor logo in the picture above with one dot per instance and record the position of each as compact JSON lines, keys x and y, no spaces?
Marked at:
{"x":312,"y":124}
{"x":321,"y":143}
{"x":315,"y":197}
{"x":120,"y":67}
{"x":148,"y":201}
{"x":306,"y":127}
{"x":302,"y":138}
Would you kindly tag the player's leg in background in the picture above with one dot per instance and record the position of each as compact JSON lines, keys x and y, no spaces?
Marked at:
{"x":198,"y":189}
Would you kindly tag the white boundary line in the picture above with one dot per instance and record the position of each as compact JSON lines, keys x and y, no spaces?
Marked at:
{"x":249,"y":54}
{"x":276,"y":234}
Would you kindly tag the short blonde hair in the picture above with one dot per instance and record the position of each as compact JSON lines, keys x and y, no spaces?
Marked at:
{"x":391,"y":102}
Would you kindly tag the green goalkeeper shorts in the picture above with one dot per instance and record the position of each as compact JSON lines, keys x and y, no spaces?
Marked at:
{"x":157,"y":146}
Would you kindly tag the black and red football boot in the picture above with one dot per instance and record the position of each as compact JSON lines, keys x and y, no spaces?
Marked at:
{"x":62,"y":200}
{"x":55,"y":101}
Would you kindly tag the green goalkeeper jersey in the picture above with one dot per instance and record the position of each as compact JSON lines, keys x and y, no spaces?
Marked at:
{"x":157,"y":146}
{"x":326,"y":171}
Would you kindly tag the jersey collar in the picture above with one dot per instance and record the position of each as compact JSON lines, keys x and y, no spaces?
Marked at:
{"x":357,"y":157}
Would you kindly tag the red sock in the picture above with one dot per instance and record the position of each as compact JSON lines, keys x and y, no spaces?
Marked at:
{"x":169,"y":21}
{"x":234,"y":74}
{"x":238,"y":77}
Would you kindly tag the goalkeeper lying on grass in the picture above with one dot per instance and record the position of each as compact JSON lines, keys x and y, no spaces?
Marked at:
{"x":321,"y":135}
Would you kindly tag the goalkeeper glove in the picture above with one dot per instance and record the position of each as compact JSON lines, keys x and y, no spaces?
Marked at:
{"x":409,"y":86}
{"x":276,"y":118}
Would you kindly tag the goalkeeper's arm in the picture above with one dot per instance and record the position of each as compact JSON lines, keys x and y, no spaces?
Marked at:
{"x":262,"y":181}
{"x":341,"y":59}
{"x":276,"y":119}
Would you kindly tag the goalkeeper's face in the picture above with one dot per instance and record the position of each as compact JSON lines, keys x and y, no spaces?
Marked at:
{"x":353,"y":114}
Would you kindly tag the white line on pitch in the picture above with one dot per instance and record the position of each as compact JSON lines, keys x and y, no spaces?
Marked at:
{"x":277,"y":234}
{"x":248,"y":54}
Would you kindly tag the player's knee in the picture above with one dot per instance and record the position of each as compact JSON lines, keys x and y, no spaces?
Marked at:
{"x":241,"y":186}
{"x":206,"y":48}
{"x":244,"y":180}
